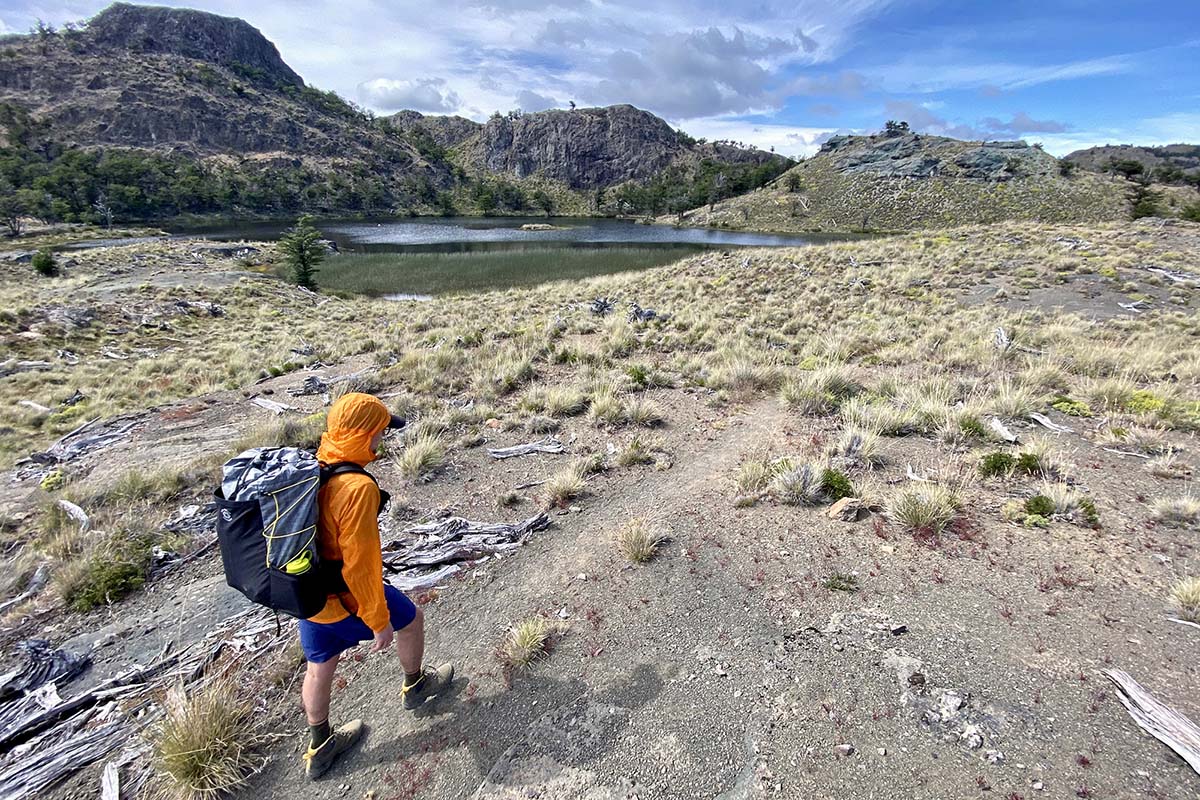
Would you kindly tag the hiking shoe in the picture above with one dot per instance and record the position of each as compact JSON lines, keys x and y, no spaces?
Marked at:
{"x":432,"y":682}
{"x":317,"y":761}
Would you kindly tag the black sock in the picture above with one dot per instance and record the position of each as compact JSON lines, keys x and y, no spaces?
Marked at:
{"x":413,"y":678}
{"x":318,"y":734}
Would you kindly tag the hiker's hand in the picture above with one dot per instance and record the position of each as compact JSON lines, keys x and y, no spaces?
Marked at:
{"x":383,"y":639}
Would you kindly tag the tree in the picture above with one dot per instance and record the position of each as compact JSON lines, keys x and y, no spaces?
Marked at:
{"x":12,"y":208}
{"x":44,"y":34}
{"x":1145,"y":203}
{"x":543,"y":201}
{"x":1126,"y":167}
{"x":104,"y":210}
{"x":894,"y":128}
{"x":571,"y":103}
{"x":43,"y":262}
{"x":302,"y":252}
{"x":792,"y":182}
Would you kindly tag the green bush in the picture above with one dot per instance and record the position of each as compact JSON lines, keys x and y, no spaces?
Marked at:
{"x":1091,"y":516}
{"x":1036,"y":521}
{"x":997,"y":464}
{"x":1074,"y":408}
{"x":1029,"y":463}
{"x":1040,"y":506}
{"x":1144,"y":401}
{"x":109,"y":573}
{"x":302,"y":252}
{"x":44,"y":263}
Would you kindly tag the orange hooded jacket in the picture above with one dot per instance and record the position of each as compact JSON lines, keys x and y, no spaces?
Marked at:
{"x":347,"y":521}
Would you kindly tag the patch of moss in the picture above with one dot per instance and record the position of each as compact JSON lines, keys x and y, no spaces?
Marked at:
{"x":1036,"y":521}
{"x":839,"y":582}
{"x":1039,"y":506}
{"x":1091,"y":516}
{"x":53,"y":481}
{"x":973,"y":428}
{"x":1144,"y":401}
{"x":1074,"y":408}
{"x":1108,"y":272}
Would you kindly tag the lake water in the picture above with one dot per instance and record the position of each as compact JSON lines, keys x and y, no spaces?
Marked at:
{"x":435,"y":255}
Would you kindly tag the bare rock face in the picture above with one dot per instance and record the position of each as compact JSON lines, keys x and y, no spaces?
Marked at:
{"x":919,"y":156}
{"x":447,"y":131}
{"x":220,"y":40}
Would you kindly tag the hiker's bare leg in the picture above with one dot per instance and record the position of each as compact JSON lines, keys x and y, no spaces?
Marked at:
{"x":318,"y":682}
{"x":410,"y":644}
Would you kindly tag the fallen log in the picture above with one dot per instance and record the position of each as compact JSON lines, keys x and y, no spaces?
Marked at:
{"x":76,"y":513}
{"x":29,"y":776}
{"x":12,"y":366}
{"x":547,"y":445}
{"x":1002,"y":431}
{"x":1158,"y":719}
{"x":450,"y":542}
{"x":271,"y":405}
{"x":36,"y":583}
{"x":1048,"y":424}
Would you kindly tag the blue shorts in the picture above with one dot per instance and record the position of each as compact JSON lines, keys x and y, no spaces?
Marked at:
{"x":324,"y":640}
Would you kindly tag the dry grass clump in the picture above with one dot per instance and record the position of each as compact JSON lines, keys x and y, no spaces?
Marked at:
{"x":421,"y":457}
{"x":526,"y":642}
{"x":1011,"y":400}
{"x":1186,"y":594}
{"x":638,"y":451}
{"x":924,"y":509}
{"x":821,"y":391}
{"x":797,"y":485}
{"x":1181,"y":510}
{"x":542,"y":424}
{"x":565,"y":401}
{"x":643,"y":413}
{"x":606,"y":408}
{"x":1168,"y":465}
{"x":638,"y":541}
{"x":206,"y":744}
{"x":754,"y":476}
{"x":857,"y":446}
{"x":743,"y":376}
{"x":504,"y":373}
{"x":565,"y":485}
{"x":885,"y":417}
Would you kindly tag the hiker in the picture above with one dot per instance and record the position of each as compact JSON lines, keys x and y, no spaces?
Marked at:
{"x":348,"y":531}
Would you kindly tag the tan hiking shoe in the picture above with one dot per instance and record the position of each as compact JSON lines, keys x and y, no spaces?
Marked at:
{"x":318,"y":761}
{"x":432,"y":682}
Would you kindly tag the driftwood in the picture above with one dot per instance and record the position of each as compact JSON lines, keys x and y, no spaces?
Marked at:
{"x":312,"y":385}
{"x":1174,"y":277}
{"x":602,"y":306}
{"x":28,"y":777}
{"x":75,"y":444}
{"x":1124,"y":453}
{"x":36,"y":408}
{"x":271,"y":405}
{"x":76,"y":513}
{"x":1002,"y":431}
{"x":43,"y":665}
{"x":1002,"y":340}
{"x":36,"y":583}
{"x":1159,"y":720}
{"x":547,"y":445}
{"x":445,"y":546}
{"x":1047,"y":423}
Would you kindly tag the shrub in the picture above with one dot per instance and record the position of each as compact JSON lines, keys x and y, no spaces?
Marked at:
{"x":206,"y":744}
{"x":108,"y":573}
{"x":421,"y":457}
{"x":1186,"y":594}
{"x":835,"y":484}
{"x":1144,"y":401}
{"x":643,"y":413}
{"x":797,"y":485}
{"x":43,"y":261}
{"x":925,"y":509}
{"x":564,"y":486}
{"x":1182,"y":510}
{"x":840,"y":582}
{"x":638,"y":542}
{"x":997,"y":464}
{"x":1039,"y":506}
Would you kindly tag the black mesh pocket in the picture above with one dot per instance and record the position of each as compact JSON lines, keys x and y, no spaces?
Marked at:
{"x":301,"y":596}
{"x":243,"y":548}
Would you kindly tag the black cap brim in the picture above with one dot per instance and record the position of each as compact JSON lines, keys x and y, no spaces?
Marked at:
{"x":397,"y":422}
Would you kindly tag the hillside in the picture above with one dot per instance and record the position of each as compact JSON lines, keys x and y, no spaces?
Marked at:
{"x":152,"y":112}
{"x":1183,"y":159}
{"x":942,"y":633}
{"x":916,"y":181}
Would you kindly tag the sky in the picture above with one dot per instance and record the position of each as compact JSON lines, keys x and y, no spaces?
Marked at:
{"x":783,"y":75}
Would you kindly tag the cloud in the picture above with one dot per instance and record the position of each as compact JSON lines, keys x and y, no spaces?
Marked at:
{"x":808,"y":43}
{"x":921,"y":118}
{"x":532,"y":101}
{"x":422,"y":94}
{"x":823,"y":110}
{"x":843,"y":84}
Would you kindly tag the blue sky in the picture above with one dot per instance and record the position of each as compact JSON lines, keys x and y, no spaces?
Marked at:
{"x":774,"y":74}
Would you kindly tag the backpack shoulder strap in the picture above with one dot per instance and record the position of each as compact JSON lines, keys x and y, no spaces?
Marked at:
{"x":344,"y":468}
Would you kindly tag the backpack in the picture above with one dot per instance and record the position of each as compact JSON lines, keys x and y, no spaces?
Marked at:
{"x":267,"y":529}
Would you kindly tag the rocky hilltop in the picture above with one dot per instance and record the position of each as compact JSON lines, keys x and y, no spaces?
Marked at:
{"x":909,"y":181}
{"x":1183,"y":157}
{"x":585,"y":148}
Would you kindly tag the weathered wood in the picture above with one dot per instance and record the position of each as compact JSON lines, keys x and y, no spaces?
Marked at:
{"x":1124,"y":452}
{"x":12,"y":366}
{"x":29,"y":776}
{"x":36,"y":583}
{"x":1047,"y":423}
{"x":1158,"y":719}
{"x":547,"y":445}
{"x":1002,"y":431}
{"x":76,"y":513}
{"x":271,"y":405}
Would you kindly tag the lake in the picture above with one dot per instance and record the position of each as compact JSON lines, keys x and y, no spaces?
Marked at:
{"x":415,"y":257}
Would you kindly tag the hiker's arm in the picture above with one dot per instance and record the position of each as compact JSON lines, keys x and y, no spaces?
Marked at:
{"x":362,"y":561}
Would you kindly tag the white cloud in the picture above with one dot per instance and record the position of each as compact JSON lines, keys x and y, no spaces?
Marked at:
{"x":789,"y":140}
{"x":532,"y":101}
{"x":423,"y":94}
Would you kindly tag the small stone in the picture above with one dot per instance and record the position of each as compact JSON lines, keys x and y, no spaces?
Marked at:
{"x":843,"y":750}
{"x":847,"y":509}
{"x":882,"y":751}
{"x":1037,"y":786}
{"x":994,"y":757}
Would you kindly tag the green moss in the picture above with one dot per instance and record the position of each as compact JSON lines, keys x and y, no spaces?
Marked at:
{"x":53,"y":481}
{"x":1036,"y":521}
{"x":839,"y":582}
{"x":1108,"y":272}
{"x":1039,"y":505}
{"x":1074,"y":408}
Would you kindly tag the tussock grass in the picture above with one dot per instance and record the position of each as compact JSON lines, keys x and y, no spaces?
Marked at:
{"x":644,"y":413}
{"x":798,"y":485}
{"x":754,"y":476}
{"x":821,"y":391}
{"x":1186,"y":594}
{"x":565,"y":401}
{"x":638,"y":541}
{"x":1011,"y":400}
{"x":606,"y":408}
{"x":421,"y":457}
{"x":565,"y":485}
{"x":1182,"y":510}
{"x":883,"y":416}
{"x":858,"y":446}
{"x":542,"y":424}
{"x":637,"y":451}
{"x":925,"y":509}
{"x":525,"y":643}
{"x":206,"y":744}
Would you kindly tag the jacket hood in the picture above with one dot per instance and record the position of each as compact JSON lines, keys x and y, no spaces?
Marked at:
{"x":353,"y":421}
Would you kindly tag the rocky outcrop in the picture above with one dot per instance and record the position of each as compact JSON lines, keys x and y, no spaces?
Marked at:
{"x":447,"y":131}
{"x":1185,"y":157}
{"x":199,"y":35}
{"x":917,"y":156}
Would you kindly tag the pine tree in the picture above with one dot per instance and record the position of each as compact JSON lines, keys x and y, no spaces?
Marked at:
{"x":302,"y":252}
